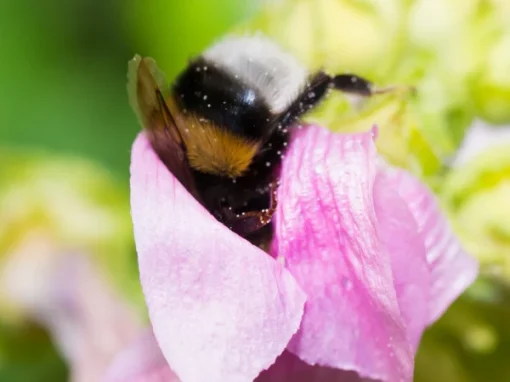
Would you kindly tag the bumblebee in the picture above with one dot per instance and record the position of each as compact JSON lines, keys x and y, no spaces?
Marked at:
{"x":223,"y":126}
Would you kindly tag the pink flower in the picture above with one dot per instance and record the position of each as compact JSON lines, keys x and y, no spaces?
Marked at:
{"x":362,"y":261}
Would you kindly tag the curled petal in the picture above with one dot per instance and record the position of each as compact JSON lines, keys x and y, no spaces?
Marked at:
{"x":451,"y":269}
{"x":221,"y":309}
{"x":404,"y":243}
{"x":326,"y":232}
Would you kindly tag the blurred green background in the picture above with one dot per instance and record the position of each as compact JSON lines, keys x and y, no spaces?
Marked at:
{"x":66,"y":130}
{"x":63,"y":73}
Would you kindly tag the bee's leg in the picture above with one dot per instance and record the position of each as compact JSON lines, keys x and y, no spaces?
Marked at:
{"x":319,"y":86}
{"x":350,"y":83}
{"x":315,"y":91}
{"x":248,"y":222}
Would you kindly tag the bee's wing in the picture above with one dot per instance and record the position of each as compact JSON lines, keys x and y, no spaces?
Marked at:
{"x":146,"y":84}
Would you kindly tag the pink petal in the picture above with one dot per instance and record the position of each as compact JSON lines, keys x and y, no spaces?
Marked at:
{"x":406,"y":248}
{"x":326,"y":231}
{"x":451,"y":269}
{"x":67,"y":294}
{"x":142,"y":361}
{"x":221,"y":309}
{"x":88,"y":319}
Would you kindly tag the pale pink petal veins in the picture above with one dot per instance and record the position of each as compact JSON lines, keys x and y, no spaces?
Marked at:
{"x":406,"y":248}
{"x":142,"y":361}
{"x":326,"y":231}
{"x":221,"y":309}
{"x":451,"y":269}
